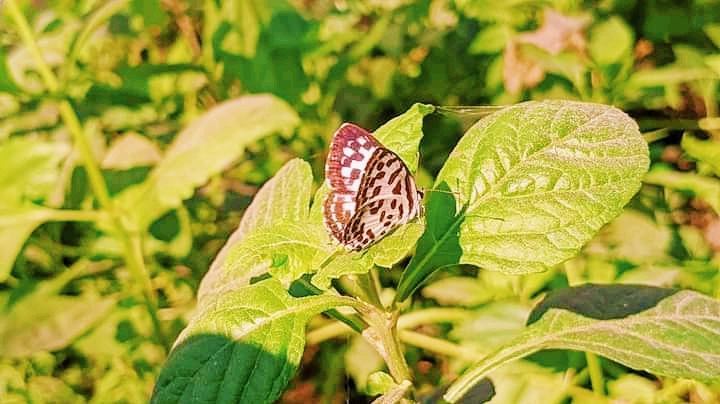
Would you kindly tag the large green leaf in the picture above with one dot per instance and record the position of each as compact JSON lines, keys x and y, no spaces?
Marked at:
{"x":528,"y":187}
{"x":283,"y":199}
{"x":241,"y":347}
{"x":661,"y":331}
{"x":210,"y":144}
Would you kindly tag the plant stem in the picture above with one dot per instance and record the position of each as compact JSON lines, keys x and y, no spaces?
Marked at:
{"x":329,"y":331}
{"x":433,"y":315}
{"x":382,"y":334}
{"x":596,"y":376}
{"x":130,"y":238}
{"x":439,"y":346}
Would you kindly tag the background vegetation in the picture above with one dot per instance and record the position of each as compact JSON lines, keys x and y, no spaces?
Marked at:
{"x":113,"y":201}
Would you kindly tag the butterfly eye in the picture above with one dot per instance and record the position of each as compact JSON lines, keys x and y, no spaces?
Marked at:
{"x":360,"y":209}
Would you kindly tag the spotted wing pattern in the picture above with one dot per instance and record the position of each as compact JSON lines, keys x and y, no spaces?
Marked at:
{"x":371,"y":190}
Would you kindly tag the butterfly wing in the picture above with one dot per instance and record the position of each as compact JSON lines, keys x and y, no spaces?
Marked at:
{"x":350,"y":151}
{"x":386,"y":199}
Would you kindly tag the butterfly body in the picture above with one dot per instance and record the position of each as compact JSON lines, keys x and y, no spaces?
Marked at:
{"x":372,"y":192}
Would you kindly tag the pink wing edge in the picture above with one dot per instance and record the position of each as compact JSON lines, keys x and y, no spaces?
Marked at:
{"x":334,"y":216}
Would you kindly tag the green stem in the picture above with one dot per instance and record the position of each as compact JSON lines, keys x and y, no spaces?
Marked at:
{"x":493,"y":361}
{"x":593,"y":364}
{"x":352,"y":320}
{"x":431,"y":316}
{"x":596,"y":376}
{"x":382,"y":334}
{"x":329,"y":331}
{"x":439,"y":346}
{"x":62,"y":215}
{"x":130,"y":239}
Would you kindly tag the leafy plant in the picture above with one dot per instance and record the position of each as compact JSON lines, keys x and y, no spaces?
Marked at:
{"x":125,"y":168}
{"x":524,"y":189}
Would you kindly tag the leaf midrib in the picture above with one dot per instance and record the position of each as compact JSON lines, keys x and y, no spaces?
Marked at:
{"x":493,"y":190}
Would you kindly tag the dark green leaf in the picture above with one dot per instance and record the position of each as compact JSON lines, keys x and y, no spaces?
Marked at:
{"x":602,"y":302}
{"x":242,"y":346}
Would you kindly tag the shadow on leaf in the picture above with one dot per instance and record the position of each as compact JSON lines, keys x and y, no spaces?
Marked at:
{"x":439,"y":245}
{"x":211,"y":368}
{"x":602,"y":302}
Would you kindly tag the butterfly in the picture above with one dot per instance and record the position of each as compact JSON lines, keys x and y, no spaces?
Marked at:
{"x":372,"y":191}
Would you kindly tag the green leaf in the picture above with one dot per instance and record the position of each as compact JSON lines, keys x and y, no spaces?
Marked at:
{"x":151,"y":12}
{"x":137,"y":87}
{"x":131,"y":150}
{"x":530,"y":185}
{"x":491,"y":325}
{"x":283,"y":199}
{"x":712,"y":30}
{"x":649,"y":241}
{"x":676,"y":336}
{"x":634,"y":388}
{"x":210,"y":144}
{"x":672,"y":74}
{"x":439,"y":246}
{"x":42,"y":322}
{"x":468,"y":292}
{"x":16,"y":225}
{"x":340,"y":265}
{"x":380,"y":383}
{"x":491,"y":40}
{"x":524,"y":382}
{"x":241,"y":347}
{"x":396,"y":245}
{"x":611,"y":41}
{"x":30,"y":173}
{"x":602,"y":302}
{"x":7,"y":84}
{"x":247,"y":18}
{"x":706,"y":188}
{"x":361,"y":361}
{"x":91,"y":23}
{"x":705,"y":151}
{"x":31,"y":169}
{"x":386,"y":253}
{"x":264,"y":47}
{"x":287,"y":249}
{"x":403,"y":133}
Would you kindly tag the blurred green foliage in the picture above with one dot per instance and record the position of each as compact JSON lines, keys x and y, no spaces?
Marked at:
{"x":118,"y":187}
